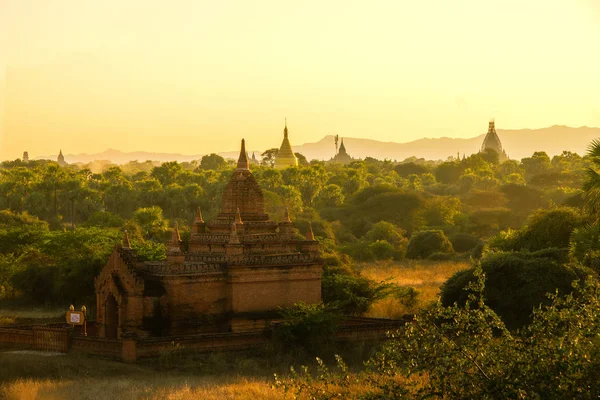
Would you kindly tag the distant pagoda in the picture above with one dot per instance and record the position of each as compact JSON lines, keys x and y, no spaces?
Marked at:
{"x":25,"y":156}
{"x":492,"y":142}
{"x":342,"y":157}
{"x":285,"y":157}
{"x":61,"y":159}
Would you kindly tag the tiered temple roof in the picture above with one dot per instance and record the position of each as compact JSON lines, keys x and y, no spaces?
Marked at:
{"x":492,"y":142}
{"x":285,"y":157}
{"x":241,"y":229}
{"x":342,"y":156}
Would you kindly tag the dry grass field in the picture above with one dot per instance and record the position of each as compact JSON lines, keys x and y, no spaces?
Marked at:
{"x":425,"y":276}
{"x":33,"y":376}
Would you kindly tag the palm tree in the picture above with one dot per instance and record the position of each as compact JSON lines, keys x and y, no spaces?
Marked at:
{"x":591,"y":186}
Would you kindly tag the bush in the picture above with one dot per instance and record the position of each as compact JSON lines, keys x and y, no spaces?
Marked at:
{"x":467,"y":353}
{"x":307,"y":325}
{"x":344,"y":289}
{"x":545,"y":229}
{"x":423,"y":244}
{"x":585,"y":245}
{"x":463,"y":242}
{"x":516,"y":283}
{"x":442,"y":257}
{"x":382,"y":250}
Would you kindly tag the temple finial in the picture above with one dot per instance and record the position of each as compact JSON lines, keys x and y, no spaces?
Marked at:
{"x":233,"y":237}
{"x":243,"y":162}
{"x":238,"y":217}
{"x":310,"y":234}
{"x":126,"y":243}
{"x":176,"y":238}
{"x":199,"y":219}
{"x":285,"y":130}
{"x":286,"y":215}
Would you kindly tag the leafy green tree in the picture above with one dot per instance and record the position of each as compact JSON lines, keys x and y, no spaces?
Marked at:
{"x":537,"y":164}
{"x":213,"y":162}
{"x":585,"y":245}
{"x":330,"y":196}
{"x":448,"y":172}
{"x":301,"y":159}
{"x":151,"y":222}
{"x":269,"y":156}
{"x":516,"y":283}
{"x":423,"y":244}
{"x":544,"y":229}
{"x":410,"y":168}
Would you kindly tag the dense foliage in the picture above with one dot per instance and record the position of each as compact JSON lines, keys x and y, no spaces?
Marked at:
{"x":517,"y":283}
{"x":467,"y":353}
{"x":368,"y":210}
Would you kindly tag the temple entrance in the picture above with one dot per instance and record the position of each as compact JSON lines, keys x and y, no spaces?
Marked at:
{"x":111,"y":317}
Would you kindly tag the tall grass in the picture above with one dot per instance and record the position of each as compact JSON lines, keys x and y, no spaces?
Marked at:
{"x":425,"y":276}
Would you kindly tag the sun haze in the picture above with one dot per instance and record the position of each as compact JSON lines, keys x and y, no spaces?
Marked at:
{"x":195,"y":76}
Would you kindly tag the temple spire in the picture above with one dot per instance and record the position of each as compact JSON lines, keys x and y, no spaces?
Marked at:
{"x":176,"y":238}
{"x":238,"y":217}
{"x":233,"y":237}
{"x":286,"y":215}
{"x":243,"y":162}
{"x":199,"y":219}
{"x":126,"y":243}
{"x":285,"y":131}
{"x":310,"y":234}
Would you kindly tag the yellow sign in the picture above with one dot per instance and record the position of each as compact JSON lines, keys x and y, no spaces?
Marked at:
{"x":75,"y":317}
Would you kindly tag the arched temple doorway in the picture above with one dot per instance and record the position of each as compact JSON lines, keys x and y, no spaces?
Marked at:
{"x":111,"y":317}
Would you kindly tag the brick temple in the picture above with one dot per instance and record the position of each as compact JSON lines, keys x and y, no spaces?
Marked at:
{"x":237,"y":271}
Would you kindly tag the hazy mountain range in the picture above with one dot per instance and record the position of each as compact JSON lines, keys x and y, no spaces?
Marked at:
{"x":517,"y":143}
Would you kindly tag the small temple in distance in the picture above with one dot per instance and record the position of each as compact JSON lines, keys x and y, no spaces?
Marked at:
{"x":342,"y":157}
{"x":492,"y":142}
{"x":237,"y":271}
{"x":285,"y":157}
{"x":61,"y":159}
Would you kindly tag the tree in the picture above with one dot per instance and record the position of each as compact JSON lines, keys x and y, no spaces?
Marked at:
{"x":301,"y":159}
{"x":330,"y":196}
{"x":269,"y":156}
{"x":516,"y":283}
{"x":591,"y":186}
{"x":537,"y":164}
{"x":425,"y":243}
{"x":410,"y":168}
{"x":213,"y":162}
{"x":167,"y":172}
{"x":151,"y":222}
{"x":448,"y":172}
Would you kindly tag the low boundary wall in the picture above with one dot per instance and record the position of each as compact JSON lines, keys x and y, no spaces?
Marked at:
{"x":64,"y":339}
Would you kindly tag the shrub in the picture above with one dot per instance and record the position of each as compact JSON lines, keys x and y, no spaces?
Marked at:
{"x":382,"y":250}
{"x":346,"y":290}
{"x":423,"y":244}
{"x":585,"y":245}
{"x":442,"y":257}
{"x":516,"y":283}
{"x":307,"y":325}
{"x":463,"y":242}
{"x":467,"y":353}
{"x":545,"y":229}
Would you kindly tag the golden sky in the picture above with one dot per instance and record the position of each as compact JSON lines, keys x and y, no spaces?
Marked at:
{"x":193,"y":77}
